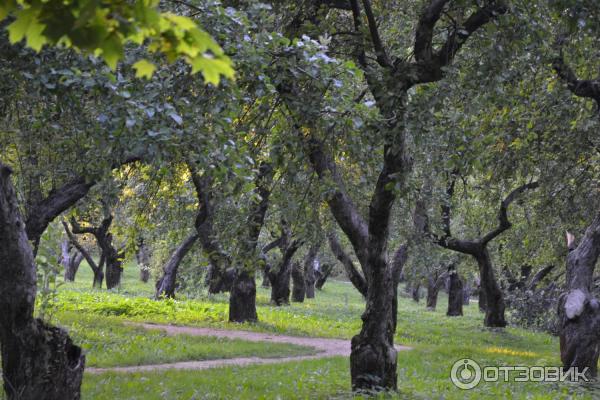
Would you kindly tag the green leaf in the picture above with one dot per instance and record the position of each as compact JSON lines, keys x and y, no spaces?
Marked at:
{"x":144,"y":69}
{"x":212,"y":69}
{"x":26,"y":25}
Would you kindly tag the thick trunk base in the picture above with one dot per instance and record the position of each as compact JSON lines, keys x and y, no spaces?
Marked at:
{"x":113,"y":275}
{"x":455,"y":296}
{"x":580,"y":336}
{"x":373,"y":364}
{"x":41,"y":362}
{"x":494,"y":314}
{"x":242,"y":299}
{"x":280,"y":287}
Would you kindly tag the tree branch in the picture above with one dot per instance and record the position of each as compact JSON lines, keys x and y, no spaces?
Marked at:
{"x":380,"y":52}
{"x":504,"y":223}
{"x":459,"y":35}
{"x":581,"y":88}
{"x":341,"y":205}
{"x":354,"y":275}
{"x":424,"y":33}
{"x":80,"y":248}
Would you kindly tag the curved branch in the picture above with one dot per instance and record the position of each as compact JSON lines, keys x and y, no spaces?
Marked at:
{"x":424,"y":33}
{"x":504,"y":223}
{"x":95,"y":267}
{"x":354,"y":275}
{"x":579,"y":87}
{"x":459,"y":35}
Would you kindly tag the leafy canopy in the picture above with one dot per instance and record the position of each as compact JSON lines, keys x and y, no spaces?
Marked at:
{"x":103,"y":28}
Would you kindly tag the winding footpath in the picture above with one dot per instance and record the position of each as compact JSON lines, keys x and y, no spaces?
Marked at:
{"x":324,"y":347}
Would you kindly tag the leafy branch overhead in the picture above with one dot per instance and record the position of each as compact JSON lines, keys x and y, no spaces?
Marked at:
{"x":104,"y":28}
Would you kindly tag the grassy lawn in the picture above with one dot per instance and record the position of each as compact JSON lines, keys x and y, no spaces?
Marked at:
{"x":423,"y":373}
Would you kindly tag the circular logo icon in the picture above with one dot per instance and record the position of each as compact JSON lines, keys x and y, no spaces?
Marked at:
{"x":465,"y":374}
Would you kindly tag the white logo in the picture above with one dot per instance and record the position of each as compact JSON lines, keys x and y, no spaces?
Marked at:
{"x":465,"y":374}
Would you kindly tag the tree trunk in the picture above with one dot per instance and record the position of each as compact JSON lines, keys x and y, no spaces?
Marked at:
{"x":165,"y":287}
{"x":322,"y":275}
{"x":38,"y":361}
{"x":265,"y":278}
{"x":480,"y":297}
{"x":114,"y":271}
{"x":455,"y":294}
{"x":299,"y":284}
{"x":433,"y":288}
{"x":98,"y":278}
{"x":578,"y":309}
{"x":309,"y":270}
{"x":280,"y":284}
{"x":373,"y":356}
{"x":143,"y":259}
{"x":494,"y":299}
{"x":70,"y":260}
{"x":416,"y":292}
{"x":242,"y":299}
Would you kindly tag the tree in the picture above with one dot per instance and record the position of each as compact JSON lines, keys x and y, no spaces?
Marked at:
{"x":30,"y":347}
{"x":389,"y":78}
{"x":165,"y":286}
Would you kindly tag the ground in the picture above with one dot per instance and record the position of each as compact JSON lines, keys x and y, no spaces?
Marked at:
{"x":101,"y":322}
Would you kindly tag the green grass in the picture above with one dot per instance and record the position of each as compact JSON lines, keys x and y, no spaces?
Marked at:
{"x":423,"y":373}
{"x":108,"y":343}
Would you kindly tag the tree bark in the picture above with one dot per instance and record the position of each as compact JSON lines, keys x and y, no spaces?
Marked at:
{"x":280,"y":284}
{"x":578,"y":309}
{"x":415,"y":292}
{"x":70,"y":260}
{"x":455,"y":294}
{"x":142,"y":257}
{"x":494,"y":299}
{"x":242,"y":301}
{"x":165,"y":287}
{"x":38,"y":361}
{"x":434,"y":283}
{"x":298,"y":283}
{"x":309,"y":270}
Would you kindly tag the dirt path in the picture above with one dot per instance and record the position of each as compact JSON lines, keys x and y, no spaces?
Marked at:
{"x":325,"y":348}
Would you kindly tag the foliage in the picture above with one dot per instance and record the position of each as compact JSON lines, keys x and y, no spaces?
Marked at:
{"x":104,"y":29}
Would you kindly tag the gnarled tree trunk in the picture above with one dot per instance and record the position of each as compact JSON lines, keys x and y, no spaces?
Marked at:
{"x":38,"y":361}
{"x":242,"y":301}
{"x":280,"y":284}
{"x":455,"y":294}
{"x":298,"y":283}
{"x":494,"y":299}
{"x":165,"y":287}
{"x":578,"y":309}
